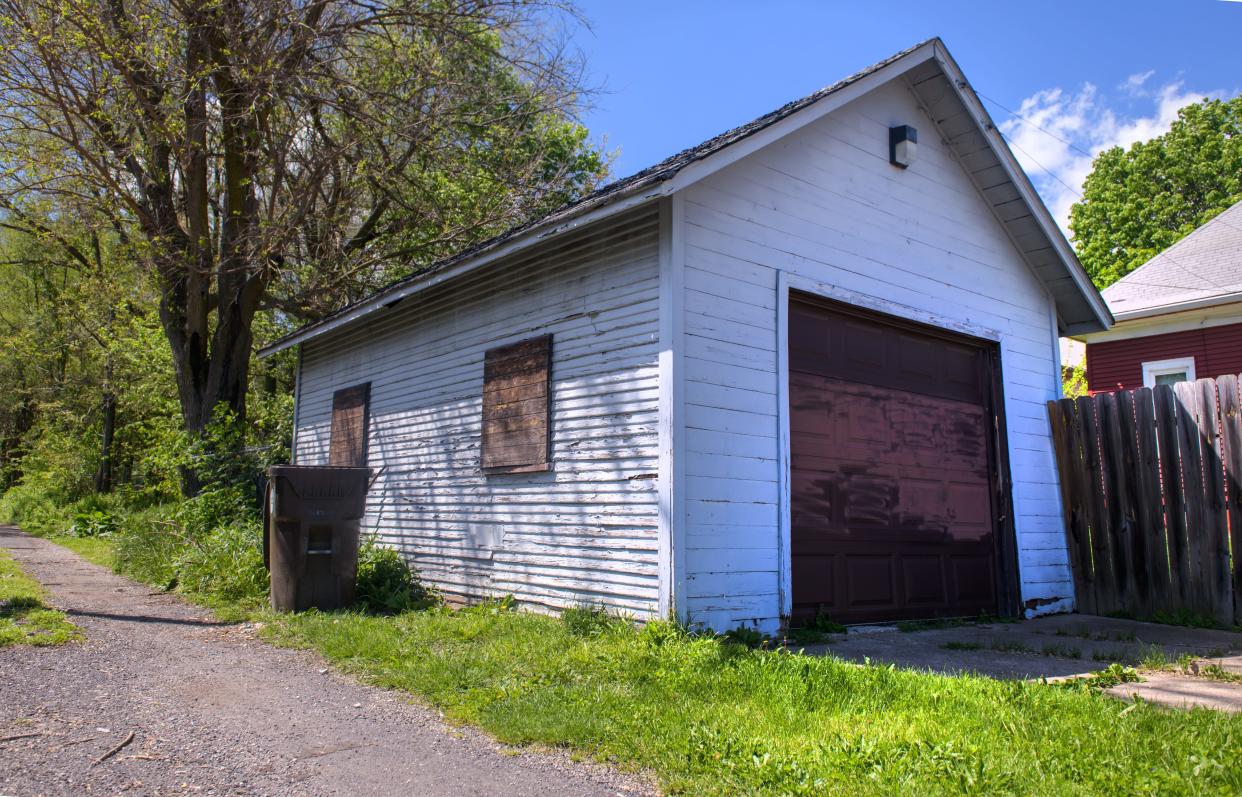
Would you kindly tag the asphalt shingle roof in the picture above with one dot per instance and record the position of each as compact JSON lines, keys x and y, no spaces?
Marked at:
{"x":1205,"y":265}
{"x":648,"y":182}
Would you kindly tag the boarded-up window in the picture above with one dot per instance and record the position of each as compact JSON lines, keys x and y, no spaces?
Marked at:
{"x":515,"y":406}
{"x":349,"y":426}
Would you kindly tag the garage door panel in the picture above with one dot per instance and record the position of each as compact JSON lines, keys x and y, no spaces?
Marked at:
{"x":923,"y":580}
{"x":973,"y":578}
{"x":891,"y":493}
{"x":817,"y":574}
{"x":870,"y":582}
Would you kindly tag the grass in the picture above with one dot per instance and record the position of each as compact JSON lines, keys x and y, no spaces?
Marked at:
{"x":957,"y":645}
{"x":99,"y":550}
{"x":24,"y":619}
{"x":1062,"y":651}
{"x":707,"y":716}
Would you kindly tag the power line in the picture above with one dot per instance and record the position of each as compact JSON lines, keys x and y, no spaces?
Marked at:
{"x":1019,"y":116}
{"x":1050,"y":172}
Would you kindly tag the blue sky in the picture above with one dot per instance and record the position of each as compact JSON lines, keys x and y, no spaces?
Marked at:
{"x":1093,"y":72}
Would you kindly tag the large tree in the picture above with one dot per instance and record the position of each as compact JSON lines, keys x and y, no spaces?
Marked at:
{"x":285,"y":154}
{"x":1139,"y":201}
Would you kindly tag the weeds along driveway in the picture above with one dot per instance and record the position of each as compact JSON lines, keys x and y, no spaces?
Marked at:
{"x":214,"y":711}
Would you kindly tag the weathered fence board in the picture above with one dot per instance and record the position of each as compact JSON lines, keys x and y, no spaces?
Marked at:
{"x":1151,"y":483}
{"x":1231,"y":447}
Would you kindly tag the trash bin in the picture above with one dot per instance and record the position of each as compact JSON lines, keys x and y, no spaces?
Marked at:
{"x":310,"y":542}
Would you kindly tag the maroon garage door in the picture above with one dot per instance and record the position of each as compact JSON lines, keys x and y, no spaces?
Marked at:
{"x":892,"y":463}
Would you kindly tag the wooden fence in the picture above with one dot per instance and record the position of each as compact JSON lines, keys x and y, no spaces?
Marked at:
{"x":1151,"y":482}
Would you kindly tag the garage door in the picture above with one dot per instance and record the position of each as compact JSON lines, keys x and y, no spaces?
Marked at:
{"x":892,"y":495}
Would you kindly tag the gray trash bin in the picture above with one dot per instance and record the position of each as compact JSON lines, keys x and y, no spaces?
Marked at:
{"x":310,"y":543}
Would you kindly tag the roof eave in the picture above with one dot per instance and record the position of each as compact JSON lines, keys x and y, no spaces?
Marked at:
{"x":435,"y":276}
{"x":643,"y":191}
{"x":1022,"y":183}
{"x":659,"y":184}
{"x":1179,"y":307}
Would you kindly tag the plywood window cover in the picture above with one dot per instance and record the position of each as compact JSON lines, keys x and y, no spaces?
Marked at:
{"x":350,"y":419}
{"x":516,"y":427}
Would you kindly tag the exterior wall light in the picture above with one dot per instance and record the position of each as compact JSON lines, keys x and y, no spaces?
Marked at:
{"x":903,"y":142}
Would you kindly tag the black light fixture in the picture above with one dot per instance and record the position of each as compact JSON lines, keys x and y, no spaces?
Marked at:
{"x":903,"y":142}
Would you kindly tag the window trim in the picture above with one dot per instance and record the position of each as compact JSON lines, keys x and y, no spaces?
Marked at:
{"x":1176,"y":365}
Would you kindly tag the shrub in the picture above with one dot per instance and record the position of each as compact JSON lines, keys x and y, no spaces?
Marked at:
{"x":36,"y":510}
{"x":386,"y":584}
{"x":226,"y":564}
{"x":93,"y":524}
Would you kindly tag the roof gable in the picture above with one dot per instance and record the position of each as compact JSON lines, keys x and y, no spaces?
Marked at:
{"x":936,"y":81}
{"x":1202,"y":269}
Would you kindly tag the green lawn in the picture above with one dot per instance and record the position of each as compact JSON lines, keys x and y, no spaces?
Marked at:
{"x":709,"y":717}
{"x":24,"y":620}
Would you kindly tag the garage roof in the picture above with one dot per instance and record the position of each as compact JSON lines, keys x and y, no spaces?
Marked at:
{"x":937,"y":82}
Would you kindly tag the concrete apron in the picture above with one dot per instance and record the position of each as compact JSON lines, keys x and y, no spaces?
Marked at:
{"x":1058,"y":647}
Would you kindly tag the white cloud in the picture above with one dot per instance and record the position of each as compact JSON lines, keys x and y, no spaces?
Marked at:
{"x":1134,"y":83}
{"x":1077,"y":126}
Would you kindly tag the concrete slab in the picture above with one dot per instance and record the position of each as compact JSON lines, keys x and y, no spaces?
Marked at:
{"x":1047,"y":647}
{"x":1179,"y":691}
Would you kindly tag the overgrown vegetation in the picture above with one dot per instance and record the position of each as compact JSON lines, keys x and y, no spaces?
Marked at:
{"x":24,"y":619}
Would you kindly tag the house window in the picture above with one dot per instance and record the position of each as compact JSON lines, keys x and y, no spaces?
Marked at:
{"x":516,"y":395}
{"x":1168,"y":372}
{"x":350,"y":411}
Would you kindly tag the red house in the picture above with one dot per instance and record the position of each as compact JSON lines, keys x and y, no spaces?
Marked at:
{"x":1179,"y":315}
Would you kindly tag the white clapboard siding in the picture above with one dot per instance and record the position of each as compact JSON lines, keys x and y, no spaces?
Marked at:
{"x":584,"y":532}
{"x":825,"y":205}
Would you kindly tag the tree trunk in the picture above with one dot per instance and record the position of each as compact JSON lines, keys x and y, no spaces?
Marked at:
{"x":103,"y":476}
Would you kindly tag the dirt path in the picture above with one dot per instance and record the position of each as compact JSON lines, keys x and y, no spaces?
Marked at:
{"x":215,"y":711}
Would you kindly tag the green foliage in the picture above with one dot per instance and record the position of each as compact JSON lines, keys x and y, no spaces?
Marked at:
{"x":386,"y":583}
{"x":591,"y":621}
{"x":24,"y":619}
{"x":825,"y":624}
{"x":1074,"y":380}
{"x":709,"y":717}
{"x":746,"y":636}
{"x":38,"y":511}
{"x":96,"y":523}
{"x":225,"y":564}
{"x":1113,"y":675}
{"x":1140,"y":201}
{"x":209,"y":546}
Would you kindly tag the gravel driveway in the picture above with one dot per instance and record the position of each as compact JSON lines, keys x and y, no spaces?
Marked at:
{"x":213,"y":710}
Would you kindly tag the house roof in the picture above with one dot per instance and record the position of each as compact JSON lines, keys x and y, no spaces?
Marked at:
{"x":1201,"y":270}
{"x":931,"y":74}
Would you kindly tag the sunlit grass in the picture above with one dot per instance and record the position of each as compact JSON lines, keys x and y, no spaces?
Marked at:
{"x":24,"y":619}
{"x":98,"y":550}
{"x":710,"y":717}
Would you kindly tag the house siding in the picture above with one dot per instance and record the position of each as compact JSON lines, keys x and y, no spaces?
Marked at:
{"x":825,"y":205}
{"x":1118,"y":364}
{"x":585,"y":532}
